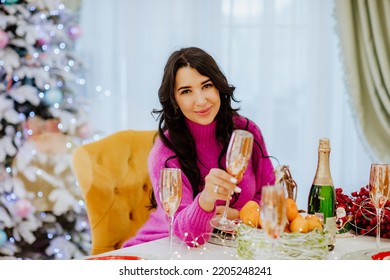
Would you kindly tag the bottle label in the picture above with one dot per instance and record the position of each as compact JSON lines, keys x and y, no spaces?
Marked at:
{"x":330,"y":230}
{"x":322,"y":201}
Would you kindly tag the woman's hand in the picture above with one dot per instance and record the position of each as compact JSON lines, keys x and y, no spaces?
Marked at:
{"x":232,"y":213}
{"x":219,"y":185}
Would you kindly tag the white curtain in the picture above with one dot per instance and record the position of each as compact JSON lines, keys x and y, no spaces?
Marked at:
{"x":364,"y":29}
{"x":283,"y":57}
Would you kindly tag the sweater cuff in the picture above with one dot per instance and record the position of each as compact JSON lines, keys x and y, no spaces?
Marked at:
{"x":200,"y":219}
{"x":201,"y":215}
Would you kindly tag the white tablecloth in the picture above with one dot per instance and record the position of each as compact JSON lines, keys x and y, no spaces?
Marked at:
{"x":347,"y":246}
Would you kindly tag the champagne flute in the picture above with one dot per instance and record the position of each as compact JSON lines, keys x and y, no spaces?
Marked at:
{"x":170,"y":195}
{"x":379,"y":188}
{"x":273,"y":212}
{"x":237,"y":157}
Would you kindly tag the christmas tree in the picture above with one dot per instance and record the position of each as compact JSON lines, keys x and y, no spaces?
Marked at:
{"x":42,"y":120}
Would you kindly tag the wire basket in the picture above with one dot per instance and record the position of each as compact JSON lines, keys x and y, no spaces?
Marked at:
{"x":254,"y":244}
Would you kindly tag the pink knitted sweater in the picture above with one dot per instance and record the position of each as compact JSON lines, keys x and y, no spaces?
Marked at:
{"x":192,"y":223}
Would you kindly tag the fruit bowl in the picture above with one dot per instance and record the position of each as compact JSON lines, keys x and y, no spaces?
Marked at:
{"x":253,"y":243}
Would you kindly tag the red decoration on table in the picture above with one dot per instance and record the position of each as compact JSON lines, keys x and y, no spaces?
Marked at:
{"x":381,"y":256}
{"x":361,"y":214}
{"x":115,"y":258}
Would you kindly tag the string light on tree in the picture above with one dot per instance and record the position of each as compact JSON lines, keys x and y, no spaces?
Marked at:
{"x":53,"y":96}
{"x":75,"y":32}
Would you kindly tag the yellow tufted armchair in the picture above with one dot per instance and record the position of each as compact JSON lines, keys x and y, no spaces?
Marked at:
{"x":113,"y":176}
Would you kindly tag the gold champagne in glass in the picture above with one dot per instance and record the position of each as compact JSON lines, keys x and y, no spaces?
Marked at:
{"x":273,"y":212}
{"x":379,"y":188}
{"x":237,"y":157}
{"x":170,"y":195}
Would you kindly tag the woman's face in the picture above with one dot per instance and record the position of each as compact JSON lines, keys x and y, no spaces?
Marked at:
{"x":196,"y":95}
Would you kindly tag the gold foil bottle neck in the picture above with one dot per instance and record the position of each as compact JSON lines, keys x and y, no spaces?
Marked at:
{"x":323,"y":177}
{"x":324,"y":145}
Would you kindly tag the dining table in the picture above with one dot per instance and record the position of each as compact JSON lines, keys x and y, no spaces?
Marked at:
{"x":348,"y":246}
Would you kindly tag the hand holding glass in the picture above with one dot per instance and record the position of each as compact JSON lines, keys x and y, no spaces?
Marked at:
{"x":170,"y":195}
{"x":237,"y":157}
{"x":379,"y":193}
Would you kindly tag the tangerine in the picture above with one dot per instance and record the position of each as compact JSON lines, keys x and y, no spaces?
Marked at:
{"x":291,"y":209}
{"x":299,"y":224}
{"x":250,"y":214}
{"x":287,"y":228}
{"x":314,"y":222}
{"x":313,"y":217}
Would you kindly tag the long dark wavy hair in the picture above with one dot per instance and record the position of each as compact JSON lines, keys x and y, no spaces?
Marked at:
{"x":171,"y":119}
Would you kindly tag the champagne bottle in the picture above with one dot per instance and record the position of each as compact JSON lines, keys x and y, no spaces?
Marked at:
{"x":322,"y":196}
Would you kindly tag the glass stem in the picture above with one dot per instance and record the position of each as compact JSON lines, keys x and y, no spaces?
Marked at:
{"x":170,"y":236}
{"x":225,"y":211}
{"x":378,"y":229}
{"x":273,"y":248}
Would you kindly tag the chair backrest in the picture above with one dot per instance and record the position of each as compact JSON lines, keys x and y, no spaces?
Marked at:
{"x":114,"y":179}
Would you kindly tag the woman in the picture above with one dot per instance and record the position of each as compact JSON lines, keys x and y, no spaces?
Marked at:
{"x":195,"y":125}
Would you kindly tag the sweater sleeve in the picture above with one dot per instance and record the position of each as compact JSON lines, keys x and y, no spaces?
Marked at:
{"x":191,"y":222}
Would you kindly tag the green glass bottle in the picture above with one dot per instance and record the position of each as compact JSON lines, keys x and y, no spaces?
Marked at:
{"x":322,"y":196}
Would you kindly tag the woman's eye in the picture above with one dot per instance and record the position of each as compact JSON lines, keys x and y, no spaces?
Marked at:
{"x":185,"y":91}
{"x":208,"y":85}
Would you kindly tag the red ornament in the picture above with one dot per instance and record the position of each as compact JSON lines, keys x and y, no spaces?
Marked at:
{"x":23,"y":208}
{"x":40,"y":42}
{"x":4,"y":39}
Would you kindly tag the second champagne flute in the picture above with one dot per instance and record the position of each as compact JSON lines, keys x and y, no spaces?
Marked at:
{"x":237,"y":157}
{"x":379,"y":188}
{"x":170,"y":195}
{"x":273,"y":212}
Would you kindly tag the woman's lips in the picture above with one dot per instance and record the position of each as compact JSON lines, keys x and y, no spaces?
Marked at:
{"x":203,"y":112}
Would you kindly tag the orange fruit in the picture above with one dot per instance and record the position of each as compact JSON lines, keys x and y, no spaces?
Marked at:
{"x":287,"y":228}
{"x":313,"y":222}
{"x":313,"y":217}
{"x":291,"y":209}
{"x":250,"y":214}
{"x":299,"y":224}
